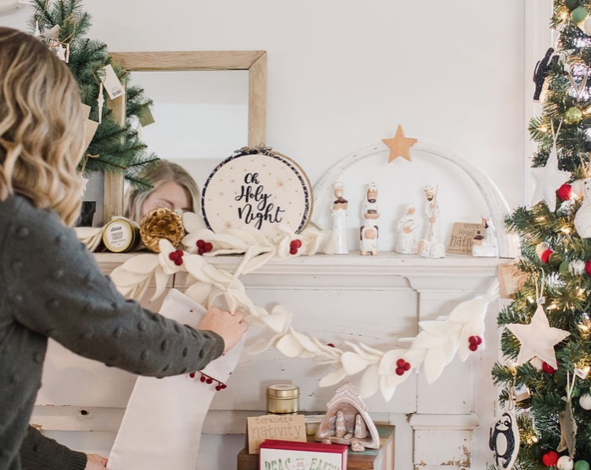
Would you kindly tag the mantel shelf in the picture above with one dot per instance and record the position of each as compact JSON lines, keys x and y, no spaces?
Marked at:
{"x":384,"y":264}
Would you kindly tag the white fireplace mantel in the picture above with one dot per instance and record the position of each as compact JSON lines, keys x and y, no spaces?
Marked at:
{"x":375,"y":300}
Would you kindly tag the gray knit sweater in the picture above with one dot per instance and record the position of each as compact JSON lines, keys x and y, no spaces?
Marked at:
{"x":51,"y":286}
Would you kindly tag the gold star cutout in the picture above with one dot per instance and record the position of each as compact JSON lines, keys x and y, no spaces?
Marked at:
{"x":399,"y":145}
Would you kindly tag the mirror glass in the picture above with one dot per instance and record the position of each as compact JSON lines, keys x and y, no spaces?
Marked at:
{"x":201,"y":117}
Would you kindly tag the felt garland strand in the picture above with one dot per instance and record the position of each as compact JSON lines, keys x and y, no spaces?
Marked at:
{"x":432,"y":350}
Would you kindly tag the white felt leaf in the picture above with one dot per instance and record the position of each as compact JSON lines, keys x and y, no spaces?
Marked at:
{"x":435,"y":361}
{"x":427,"y":341}
{"x":279,"y":321}
{"x":370,"y":382}
{"x":140,"y":264}
{"x":371,"y":350}
{"x":289,"y":346}
{"x":193,"y":222}
{"x":199,"y":292}
{"x":161,"y":281}
{"x":333,"y":378}
{"x":440,"y":328}
{"x":353,"y":363}
{"x":388,"y":386}
{"x":194,"y":264}
{"x":364,"y":354}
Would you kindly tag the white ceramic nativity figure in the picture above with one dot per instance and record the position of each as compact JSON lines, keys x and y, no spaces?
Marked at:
{"x":339,"y":220}
{"x":407,"y":244}
{"x":583,"y":216}
{"x":430,"y":246}
{"x":486,"y":246}
{"x":369,"y":231}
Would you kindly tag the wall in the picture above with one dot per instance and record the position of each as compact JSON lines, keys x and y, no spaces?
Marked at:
{"x":343,"y":74}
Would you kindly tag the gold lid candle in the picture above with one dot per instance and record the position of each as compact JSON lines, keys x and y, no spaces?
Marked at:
{"x":120,"y":236}
{"x":283,"y":399}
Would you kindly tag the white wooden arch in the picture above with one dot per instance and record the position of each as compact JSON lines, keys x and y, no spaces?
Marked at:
{"x":496,"y":203}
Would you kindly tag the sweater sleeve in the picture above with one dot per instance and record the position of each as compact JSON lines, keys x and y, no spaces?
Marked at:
{"x":58,"y":290}
{"x":38,"y":452}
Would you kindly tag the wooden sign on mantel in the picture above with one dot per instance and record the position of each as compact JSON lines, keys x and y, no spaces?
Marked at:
{"x":462,"y":235}
{"x":278,"y":427}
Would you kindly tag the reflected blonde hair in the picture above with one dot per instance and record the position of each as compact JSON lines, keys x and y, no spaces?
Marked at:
{"x":159,"y":174}
{"x":41,"y":126}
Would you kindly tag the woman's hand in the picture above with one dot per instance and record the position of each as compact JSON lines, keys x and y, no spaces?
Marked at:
{"x":229,"y":327}
{"x":95,"y":462}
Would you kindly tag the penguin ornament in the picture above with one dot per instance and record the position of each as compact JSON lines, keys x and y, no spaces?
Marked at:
{"x":504,"y":441}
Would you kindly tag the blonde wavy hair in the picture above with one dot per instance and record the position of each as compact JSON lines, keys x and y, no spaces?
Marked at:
{"x":159,"y":174}
{"x":41,"y":126}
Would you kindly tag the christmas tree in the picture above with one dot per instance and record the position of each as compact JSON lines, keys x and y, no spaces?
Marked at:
{"x":114,"y":148}
{"x":546,"y":339}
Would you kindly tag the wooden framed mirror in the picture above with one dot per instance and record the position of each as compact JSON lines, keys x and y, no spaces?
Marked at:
{"x":254,"y":62}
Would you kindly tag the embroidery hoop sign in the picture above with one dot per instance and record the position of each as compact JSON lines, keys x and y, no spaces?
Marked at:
{"x":259,"y":188}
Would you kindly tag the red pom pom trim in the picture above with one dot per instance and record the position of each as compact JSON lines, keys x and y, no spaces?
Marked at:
{"x":550,"y":459}
{"x":565,"y":192}
{"x":548,"y":369}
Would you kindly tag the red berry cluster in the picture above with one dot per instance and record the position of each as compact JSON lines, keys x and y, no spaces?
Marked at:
{"x":294,"y":246}
{"x":177,"y":257}
{"x":474,"y":341}
{"x":330,"y":345}
{"x":402,"y":366}
{"x":548,"y":369}
{"x":203,"y":247}
{"x":209,"y":380}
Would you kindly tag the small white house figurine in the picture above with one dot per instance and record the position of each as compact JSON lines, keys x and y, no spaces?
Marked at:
{"x":583,"y":215}
{"x":339,"y":220}
{"x":346,"y":409}
{"x":430,"y":246}
{"x":407,"y":244}
{"x":369,"y":231}
{"x":485,"y":246}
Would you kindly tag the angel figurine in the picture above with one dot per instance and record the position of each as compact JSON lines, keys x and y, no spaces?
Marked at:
{"x":369,"y":230}
{"x":339,"y":219}
{"x":407,"y":245}
{"x":485,"y":245}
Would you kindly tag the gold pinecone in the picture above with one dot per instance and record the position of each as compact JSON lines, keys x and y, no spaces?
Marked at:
{"x":161,"y":223}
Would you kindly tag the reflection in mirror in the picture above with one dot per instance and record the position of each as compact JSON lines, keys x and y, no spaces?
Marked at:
{"x":201,"y":117}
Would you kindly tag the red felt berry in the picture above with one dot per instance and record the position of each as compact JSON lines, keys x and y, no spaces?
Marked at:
{"x":588,"y":268}
{"x":178,"y":261}
{"x":209,"y":381}
{"x":546,"y":256}
{"x":192,"y":375}
{"x":330,"y":345}
{"x":479,"y":340}
{"x":224,"y":386}
{"x":173,"y":256}
{"x":179,"y":252}
{"x":293,"y":244}
{"x":293,"y":251}
{"x":218,"y":388}
{"x":208,"y":247}
{"x":407,"y":366}
{"x":203,"y":378}
{"x":550,"y":459}
{"x":400,"y":371}
{"x":201,"y":251}
{"x":298,"y":243}
{"x":565,"y":192}
{"x":473,"y":347}
{"x":548,"y":369}
{"x":200,"y":243}
{"x":400,"y":362}
{"x":472,"y":340}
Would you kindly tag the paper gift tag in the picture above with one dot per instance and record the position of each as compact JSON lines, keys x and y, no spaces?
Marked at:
{"x":511,"y":280}
{"x":146,"y":116}
{"x":111,"y":82}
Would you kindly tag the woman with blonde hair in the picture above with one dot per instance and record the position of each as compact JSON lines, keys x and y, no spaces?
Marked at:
{"x":173,"y":188}
{"x":50,"y":286}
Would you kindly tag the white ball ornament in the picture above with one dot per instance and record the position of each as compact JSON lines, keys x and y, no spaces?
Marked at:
{"x":565,"y":463}
{"x":585,"y":402}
